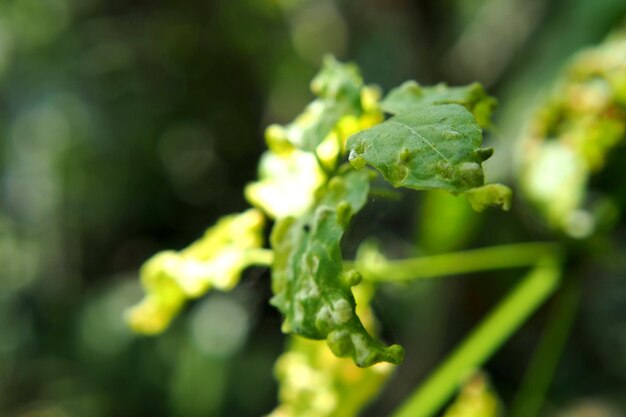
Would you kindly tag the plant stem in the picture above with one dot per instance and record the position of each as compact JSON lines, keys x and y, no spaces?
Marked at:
{"x":484,"y":340}
{"x":540,"y":372}
{"x":380,"y":269}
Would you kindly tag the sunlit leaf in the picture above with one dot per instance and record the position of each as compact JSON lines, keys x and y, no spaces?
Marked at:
{"x":215,"y":261}
{"x":302,"y":153}
{"x":287,"y":183}
{"x":311,"y":289}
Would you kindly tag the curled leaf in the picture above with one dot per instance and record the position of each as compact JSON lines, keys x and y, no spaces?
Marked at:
{"x":311,"y":289}
{"x":315,"y":383}
{"x":215,"y":261}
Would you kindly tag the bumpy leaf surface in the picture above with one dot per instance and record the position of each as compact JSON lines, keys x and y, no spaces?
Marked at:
{"x":315,"y":383}
{"x":429,"y":147}
{"x":311,"y":289}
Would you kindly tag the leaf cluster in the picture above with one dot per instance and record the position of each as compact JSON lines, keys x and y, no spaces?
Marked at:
{"x":421,"y":138}
{"x":432,"y":140}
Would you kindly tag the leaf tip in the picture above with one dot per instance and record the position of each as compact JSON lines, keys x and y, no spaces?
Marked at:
{"x":484,"y":153}
{"x":356,"y":160}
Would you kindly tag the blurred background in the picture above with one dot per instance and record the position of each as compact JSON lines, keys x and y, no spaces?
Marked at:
{"x":128,"y":127}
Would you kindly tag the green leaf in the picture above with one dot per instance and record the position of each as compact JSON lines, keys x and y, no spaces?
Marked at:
{"x":314,"y":382}
{"x":430,"y":147}
{"x":490,"y":195}
{"x":337,"y":81}
{"x":311,"y":289}
{"x":409,"y":95}
{"x":338,"y":87}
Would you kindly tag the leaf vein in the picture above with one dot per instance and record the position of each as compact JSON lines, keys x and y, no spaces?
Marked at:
{"x":434,"y":148}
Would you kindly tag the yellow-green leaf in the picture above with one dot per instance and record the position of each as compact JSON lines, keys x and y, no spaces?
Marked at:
{"x":214,"y":261}
{"x":287,"y":183}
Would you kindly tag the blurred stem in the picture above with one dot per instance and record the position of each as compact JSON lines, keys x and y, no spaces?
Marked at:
{"x":509,"y":315}
{"x":542,"y":367}
{"x":491,"y":258}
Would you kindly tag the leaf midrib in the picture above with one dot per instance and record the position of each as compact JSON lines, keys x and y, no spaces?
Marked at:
{"x":433,"y":147}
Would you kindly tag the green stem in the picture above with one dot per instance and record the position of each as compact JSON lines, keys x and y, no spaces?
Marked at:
{"x":484,"y":340}
{"x":540,"y":372}
{"x":380,"y":269}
